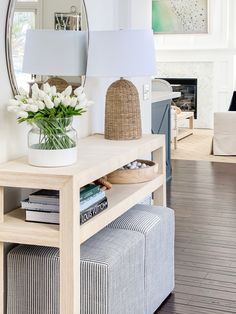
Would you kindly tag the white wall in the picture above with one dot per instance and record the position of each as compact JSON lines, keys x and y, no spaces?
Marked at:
{"x":135,"y":13}
{"x":12,"y":136}
{"x":113,"y":15}
{"x":232,"y":29}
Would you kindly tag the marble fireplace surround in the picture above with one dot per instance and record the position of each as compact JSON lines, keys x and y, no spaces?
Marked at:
{"x":214,"y":72}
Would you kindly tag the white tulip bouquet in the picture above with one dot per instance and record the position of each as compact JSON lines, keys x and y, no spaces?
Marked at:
{"x":51,"y":112}
{"x":48,"y":103}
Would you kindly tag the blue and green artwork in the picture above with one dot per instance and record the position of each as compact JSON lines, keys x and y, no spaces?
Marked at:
{"x":180,"y":16}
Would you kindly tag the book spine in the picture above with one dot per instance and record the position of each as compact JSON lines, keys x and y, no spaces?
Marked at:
{"x":42,"y":217}
{"x":44,"y":201}
{"x":55,"y":208}
{"x":93,"y":210}
{"x":88,"y":193}
{"x":41,"y":207}
{"x":92,"y":200}
{"x":87,"y":214}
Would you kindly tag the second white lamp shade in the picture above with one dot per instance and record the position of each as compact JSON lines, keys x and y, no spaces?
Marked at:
{"x":51,"y":52}
{"x":123,"y":53}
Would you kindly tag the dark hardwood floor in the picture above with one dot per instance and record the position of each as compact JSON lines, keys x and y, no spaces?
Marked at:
{"x":203,"y":195}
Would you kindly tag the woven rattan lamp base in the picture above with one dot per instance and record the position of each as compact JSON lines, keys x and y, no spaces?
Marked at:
{"x":60,"y":83}
{"x":122,"y":116}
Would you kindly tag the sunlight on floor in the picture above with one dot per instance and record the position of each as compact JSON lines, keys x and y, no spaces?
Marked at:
{"x":199,"y":147}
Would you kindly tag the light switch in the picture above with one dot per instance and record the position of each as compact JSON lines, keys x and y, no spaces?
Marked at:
{"x":146,"y":92}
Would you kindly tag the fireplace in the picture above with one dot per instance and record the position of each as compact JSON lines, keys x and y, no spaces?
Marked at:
{"x":188,"y":89}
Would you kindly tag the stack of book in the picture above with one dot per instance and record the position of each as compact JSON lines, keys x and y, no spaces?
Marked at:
{"x":43,"y":205}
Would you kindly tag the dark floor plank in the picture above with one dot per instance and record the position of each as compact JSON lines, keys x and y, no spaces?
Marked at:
{"x":203,"y":195}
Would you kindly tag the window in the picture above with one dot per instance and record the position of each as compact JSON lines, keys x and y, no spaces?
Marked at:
{"x":26,"y":16}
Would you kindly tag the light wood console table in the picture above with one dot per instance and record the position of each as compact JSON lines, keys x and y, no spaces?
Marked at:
{"x":97,"y":157}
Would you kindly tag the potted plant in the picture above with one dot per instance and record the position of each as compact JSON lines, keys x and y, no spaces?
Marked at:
{"x":52,"y":141}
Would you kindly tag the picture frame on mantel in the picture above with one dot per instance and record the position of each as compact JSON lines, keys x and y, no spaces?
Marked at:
{"x":68,"y":21}
{"x":180,"y":16}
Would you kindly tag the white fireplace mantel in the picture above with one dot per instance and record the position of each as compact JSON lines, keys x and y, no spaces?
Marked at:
{"x":214,"y":69}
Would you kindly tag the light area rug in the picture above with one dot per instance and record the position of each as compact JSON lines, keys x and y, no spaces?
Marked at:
{"x":199,"y":147}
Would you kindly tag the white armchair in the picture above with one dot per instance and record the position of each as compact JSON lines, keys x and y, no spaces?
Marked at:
{"x":224,"y":142}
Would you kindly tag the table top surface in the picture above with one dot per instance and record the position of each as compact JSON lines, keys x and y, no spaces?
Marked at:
{"x":96,"y":156}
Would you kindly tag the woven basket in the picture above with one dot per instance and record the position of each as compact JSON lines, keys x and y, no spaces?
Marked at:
{"x":128,"y":176}
{"x":60,"y":83}
{"x":122,"y":117}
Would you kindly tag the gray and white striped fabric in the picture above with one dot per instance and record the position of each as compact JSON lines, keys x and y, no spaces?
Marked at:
{"x":112,"y":271}
{"x":33,"y":280}
{"x":167,"y":217}
{"x":157,"y":225}
{"x":112,"y":276}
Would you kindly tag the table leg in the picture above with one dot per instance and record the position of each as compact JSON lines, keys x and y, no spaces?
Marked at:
{"x":159,"y":156}
{"x":191,"y":122}
{"x":175,"y":142}
{"x":2,"y":257}
{"x":2,"y":292}
{"x":69,"y":249}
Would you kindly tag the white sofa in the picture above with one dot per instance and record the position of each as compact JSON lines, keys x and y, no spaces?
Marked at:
{"x":224,"y":142}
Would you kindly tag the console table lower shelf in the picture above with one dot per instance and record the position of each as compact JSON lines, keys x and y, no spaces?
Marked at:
{"x":121,"y":197}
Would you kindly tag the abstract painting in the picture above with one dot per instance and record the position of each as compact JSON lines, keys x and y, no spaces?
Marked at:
{"x":180,"y":16}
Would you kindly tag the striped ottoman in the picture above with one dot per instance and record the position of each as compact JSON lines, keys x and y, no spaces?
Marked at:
{"x":157,"y":225}
{"x":112,"y":276}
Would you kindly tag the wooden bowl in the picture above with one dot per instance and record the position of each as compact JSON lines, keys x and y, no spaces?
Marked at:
{"x":127,"y":176}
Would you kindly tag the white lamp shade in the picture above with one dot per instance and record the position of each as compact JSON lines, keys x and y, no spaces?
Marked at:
{"x":51,"y":52}
{"x":123,"y":53}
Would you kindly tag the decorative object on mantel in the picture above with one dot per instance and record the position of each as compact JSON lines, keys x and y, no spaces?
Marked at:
{"x":124,"y":53}
{"x":52,"y":141}
{"x":68,"y":21}
{"x":136,"y":172}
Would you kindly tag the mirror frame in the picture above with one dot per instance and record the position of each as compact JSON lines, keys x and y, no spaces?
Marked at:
{"x":8,"y":43}
{"x":8,"y":46}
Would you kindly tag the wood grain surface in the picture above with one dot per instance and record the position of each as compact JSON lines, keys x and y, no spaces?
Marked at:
{"x":203,"y":195}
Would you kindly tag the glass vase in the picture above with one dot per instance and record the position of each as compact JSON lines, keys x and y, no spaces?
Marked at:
{"x":52,"y":142}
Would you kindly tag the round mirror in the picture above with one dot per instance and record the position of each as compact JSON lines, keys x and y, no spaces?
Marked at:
{"x":38,"y":14}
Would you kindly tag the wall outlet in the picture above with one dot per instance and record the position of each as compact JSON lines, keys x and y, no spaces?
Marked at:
{"x":146,"y":92}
